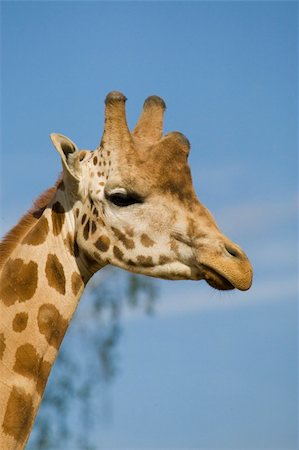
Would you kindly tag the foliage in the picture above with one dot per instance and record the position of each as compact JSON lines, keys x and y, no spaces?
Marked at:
{"x":87,"y":361}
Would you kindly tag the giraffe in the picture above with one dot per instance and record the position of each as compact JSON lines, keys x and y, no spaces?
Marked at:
{"x":129,"y":203}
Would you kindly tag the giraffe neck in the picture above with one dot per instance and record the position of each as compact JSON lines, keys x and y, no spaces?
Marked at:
{"x":41,"y":282}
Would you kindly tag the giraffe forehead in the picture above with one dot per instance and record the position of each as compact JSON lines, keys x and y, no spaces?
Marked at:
{"x":161,"y":168}
{"x":165,"y":171}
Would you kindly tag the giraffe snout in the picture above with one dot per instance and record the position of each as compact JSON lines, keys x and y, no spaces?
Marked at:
{"x":227,"y":260}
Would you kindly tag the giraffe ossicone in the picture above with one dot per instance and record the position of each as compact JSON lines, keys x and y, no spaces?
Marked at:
{"x":129,"y":203}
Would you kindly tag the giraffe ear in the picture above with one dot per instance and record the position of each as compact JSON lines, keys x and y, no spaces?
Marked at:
{"x":69,"y":157}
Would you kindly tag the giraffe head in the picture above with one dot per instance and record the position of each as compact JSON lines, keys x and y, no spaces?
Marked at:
{"x":133,"y":205}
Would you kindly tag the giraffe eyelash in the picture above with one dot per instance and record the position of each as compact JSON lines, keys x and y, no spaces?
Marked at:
{"x":122,"y":198}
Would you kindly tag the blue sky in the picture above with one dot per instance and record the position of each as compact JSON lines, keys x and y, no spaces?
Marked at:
{"x":210,"y":371}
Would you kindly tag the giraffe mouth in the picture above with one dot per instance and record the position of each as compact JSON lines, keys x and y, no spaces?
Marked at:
{"x":215,"y":279}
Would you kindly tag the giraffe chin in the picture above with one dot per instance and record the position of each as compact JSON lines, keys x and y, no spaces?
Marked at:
{"x":217,"y":281}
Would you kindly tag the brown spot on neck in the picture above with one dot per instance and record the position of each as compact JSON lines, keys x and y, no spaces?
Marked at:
{"x":18,"y":281}
{"x":77,"y":283}
{"x":27,"y":361}
{"x":55,"y":274}
{"x":2,"y":345}
{"x":58,"y":218}
{"x":20,"y":322}
{"x":38,"y":234}
{"x":51,"y":324}
{"x":44,"y":372}
{"x":71,"y":245}
{"x":19,"y":414}
{"x":30,"y":365}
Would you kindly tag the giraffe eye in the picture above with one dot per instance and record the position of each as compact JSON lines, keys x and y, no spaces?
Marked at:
{"x":123,"y":199}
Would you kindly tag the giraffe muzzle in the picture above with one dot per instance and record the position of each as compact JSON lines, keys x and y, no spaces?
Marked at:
{"x":226,"y":267}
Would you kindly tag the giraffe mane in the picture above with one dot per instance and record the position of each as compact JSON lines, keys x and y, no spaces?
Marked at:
{"x":9,"y":242}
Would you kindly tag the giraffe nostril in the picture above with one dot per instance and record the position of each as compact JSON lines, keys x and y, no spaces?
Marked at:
{"x":233,"y":251}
